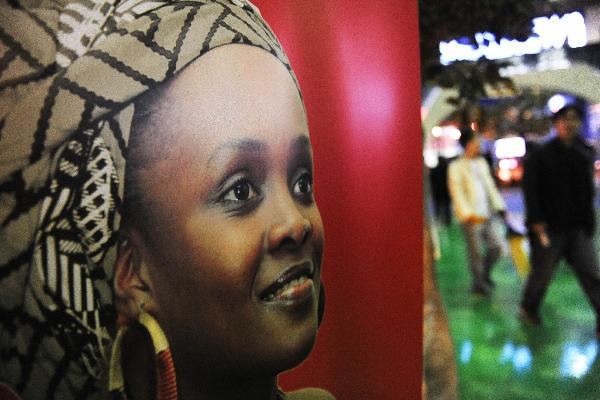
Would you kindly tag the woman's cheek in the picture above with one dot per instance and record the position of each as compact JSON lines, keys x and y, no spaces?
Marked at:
{"x":230,"y":246}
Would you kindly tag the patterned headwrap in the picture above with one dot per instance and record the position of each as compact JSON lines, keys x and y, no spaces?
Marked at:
{"x":70,"y":72}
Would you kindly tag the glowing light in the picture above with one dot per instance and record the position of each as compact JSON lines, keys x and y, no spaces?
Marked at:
{"x":430,"y":157}
{"x":466,"y":351}
{"x":556,"y":102}
{"x":507,"y":353}
{"x":451,"y":152}
{"x":577,"y":360}
{"x":508,"y":163}
{"x":441,"y":142}
{"x":519,"y":356}
{"x":548,"y":32}
{"x":554,"y":31}
{"x":504,"y":175}
{"x":509,"y":147}
{"x":522,"y":359}
{"x":453,"y":132}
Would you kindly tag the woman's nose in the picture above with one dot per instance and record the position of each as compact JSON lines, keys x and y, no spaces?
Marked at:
{"x":289,"y":228}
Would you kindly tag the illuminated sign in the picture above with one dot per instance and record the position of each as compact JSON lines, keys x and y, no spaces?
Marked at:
{"x":548,"y":32}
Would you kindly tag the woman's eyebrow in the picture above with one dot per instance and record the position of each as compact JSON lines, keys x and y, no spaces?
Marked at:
{"x":300,"y":143}
{"x":238,"y":146}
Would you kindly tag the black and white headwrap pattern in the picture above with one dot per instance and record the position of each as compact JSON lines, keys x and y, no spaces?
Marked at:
{"x":69,"y":74}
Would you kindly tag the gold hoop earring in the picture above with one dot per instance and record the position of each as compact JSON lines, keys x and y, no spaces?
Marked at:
{"x":166,"y":385}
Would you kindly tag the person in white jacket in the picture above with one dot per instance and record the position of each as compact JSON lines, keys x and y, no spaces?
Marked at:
{"x":476,"y":201}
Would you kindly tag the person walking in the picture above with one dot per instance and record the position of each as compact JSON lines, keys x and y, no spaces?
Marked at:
{"x":559,"y":197}
{"x":476,"y":201}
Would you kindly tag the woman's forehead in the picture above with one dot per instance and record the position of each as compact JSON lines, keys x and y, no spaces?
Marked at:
{"x":235,"y":92}
{"x":232,"y":76}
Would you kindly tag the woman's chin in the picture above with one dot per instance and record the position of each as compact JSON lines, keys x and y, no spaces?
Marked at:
{"x":288,"y":345}
{"x":294,"y":346}
{"x":299,"y":353}
{"x":279,"y":358}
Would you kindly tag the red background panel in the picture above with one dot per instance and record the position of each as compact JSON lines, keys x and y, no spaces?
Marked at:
{"x":358,"y":66}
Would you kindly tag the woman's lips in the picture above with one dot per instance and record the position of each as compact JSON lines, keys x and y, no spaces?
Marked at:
{"x":293,"y":285}
{"x":293,"y":291}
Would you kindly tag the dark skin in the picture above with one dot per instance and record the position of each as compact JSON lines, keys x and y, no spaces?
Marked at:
{"x":231,"y":211}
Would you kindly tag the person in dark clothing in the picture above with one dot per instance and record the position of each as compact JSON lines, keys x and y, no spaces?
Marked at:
{"x":439,"y":189}
{"x":559,"y":195}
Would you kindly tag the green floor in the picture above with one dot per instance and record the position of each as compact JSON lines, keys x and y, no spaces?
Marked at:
{"x":500,"y":358}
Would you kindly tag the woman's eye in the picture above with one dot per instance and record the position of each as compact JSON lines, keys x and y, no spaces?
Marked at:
{"x":303,"y":185}
{"x":241,"y":190}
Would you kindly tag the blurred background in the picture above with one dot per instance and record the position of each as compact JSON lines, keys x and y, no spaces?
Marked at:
{"x":501,"y":68}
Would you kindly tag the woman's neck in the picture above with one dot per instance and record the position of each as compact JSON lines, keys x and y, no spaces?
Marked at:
{"x":227,"y":389}
{"x":139,"y":368}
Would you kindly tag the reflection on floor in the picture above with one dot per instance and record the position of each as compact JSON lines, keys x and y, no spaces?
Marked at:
{"x":501,"y":358}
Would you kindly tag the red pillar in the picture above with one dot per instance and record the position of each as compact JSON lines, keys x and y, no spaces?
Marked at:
{"x":358,"y":66}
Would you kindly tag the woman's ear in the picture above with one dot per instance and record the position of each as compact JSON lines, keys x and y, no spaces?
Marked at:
{"x":132,"y":284}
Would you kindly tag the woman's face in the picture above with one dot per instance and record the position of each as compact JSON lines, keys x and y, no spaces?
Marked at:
{"x":234,"y":240}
